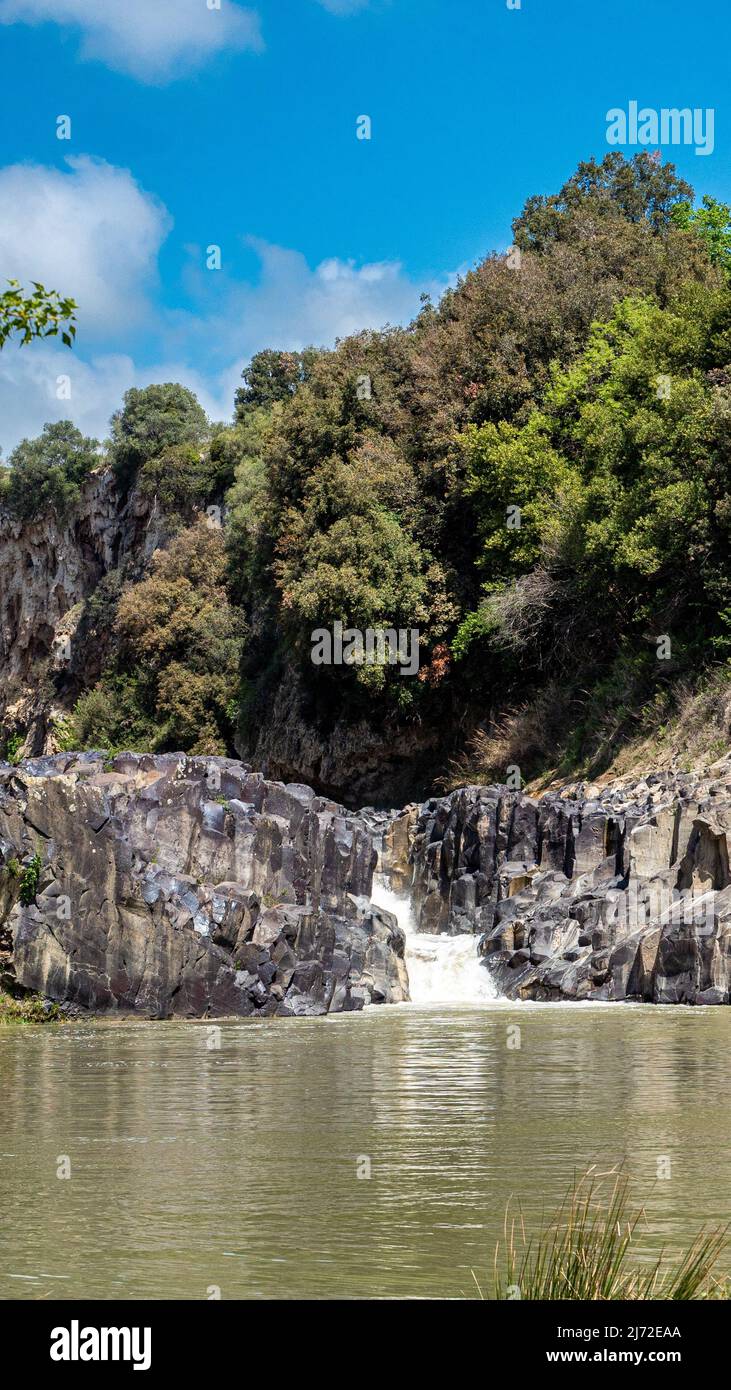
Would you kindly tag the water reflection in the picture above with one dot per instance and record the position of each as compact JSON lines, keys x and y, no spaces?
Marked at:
{"x":193,"y":1167}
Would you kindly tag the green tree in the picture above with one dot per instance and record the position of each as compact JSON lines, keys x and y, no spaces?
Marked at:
{"x":151,"y":420}
{"x":173,"y":681}
{"x":178,"y":626}
{"x":180,"y":478}
{"x":520,"y":486}
{"x":634,"y":191}
{"x":346,"y":556}
{"x":46,"y":473}
{"x":712,"y":223}
{"x":271,"y":376}
{"x":241,"y":452}
{"x":625,"y":487}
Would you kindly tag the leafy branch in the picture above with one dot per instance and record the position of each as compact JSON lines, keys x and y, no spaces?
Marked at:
{"x":39,"y":313}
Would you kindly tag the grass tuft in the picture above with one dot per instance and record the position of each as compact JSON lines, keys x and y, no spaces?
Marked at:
{"x":585,"y":1251}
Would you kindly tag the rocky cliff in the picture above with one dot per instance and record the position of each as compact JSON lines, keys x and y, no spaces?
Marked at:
{"x":352,"y":760}
{"x":55,"y":632}
{"x":619,"y":892}
{"x":168,"y":885}
{"x":48,"y":568}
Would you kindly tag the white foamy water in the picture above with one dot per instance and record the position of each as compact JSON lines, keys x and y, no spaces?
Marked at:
{"x":442,"y":969}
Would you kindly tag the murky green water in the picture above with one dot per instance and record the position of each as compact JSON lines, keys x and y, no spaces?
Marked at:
{"x":237,"y":1168}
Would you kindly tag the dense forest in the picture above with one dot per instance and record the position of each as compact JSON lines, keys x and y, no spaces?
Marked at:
{"x":535,"y":474}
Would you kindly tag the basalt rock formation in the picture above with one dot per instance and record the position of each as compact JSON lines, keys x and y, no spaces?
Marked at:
{"x":620,"y":892}
{"x":165,"y":885}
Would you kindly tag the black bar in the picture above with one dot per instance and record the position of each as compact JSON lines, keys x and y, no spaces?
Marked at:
{"x":315,"y":1338}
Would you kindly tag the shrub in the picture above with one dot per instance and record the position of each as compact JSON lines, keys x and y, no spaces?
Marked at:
{"x":110,"y":716}
{"x":13,"y":747}
{"x":30,"y":1008}
{"x":29,"y":880}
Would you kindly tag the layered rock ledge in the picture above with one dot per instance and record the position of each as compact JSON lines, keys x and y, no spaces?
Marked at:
{"x":168,"y":885}
{"x":165,"y":885}
{"x":619,"y":892}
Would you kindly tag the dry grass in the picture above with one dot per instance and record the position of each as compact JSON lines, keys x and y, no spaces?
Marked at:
{"x":684,"y":729}
{"x":697,"y":734}
{"x":586,"y":1251}
{"x":527,"y":738}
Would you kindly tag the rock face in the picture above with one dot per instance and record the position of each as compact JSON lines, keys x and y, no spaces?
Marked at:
{"x":169,"y":885}
{"x":163,"y":885}
{"x":354,"y":761}
{"x":614,"y":893}
{"x":48,"y":567}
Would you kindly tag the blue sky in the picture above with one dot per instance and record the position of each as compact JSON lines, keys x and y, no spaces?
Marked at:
{"x":237,"y":127}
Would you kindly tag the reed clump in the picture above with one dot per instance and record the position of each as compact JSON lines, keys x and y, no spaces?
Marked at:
{"x":587,"y":1250}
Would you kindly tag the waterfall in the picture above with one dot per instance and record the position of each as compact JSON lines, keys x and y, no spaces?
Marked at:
{"x":442,"y":969}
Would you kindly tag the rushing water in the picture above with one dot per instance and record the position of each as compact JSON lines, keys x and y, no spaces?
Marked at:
{"x":442,"y":969}
{"x":194,"y":1167}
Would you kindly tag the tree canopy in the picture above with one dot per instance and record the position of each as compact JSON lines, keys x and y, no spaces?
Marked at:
{"x":535,"y":474}
{"x":46,"y":473}
{"x":151,"y":420}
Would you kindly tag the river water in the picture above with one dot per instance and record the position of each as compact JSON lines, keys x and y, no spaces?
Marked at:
{"x":238,"y":1160}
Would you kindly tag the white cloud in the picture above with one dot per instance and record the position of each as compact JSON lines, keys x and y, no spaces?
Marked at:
{"x":89,"y":232}
{"x":28,"y":387}
{"x":293,"y":305}
{"x":290,"y":307}
{"x":154,"y":40}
